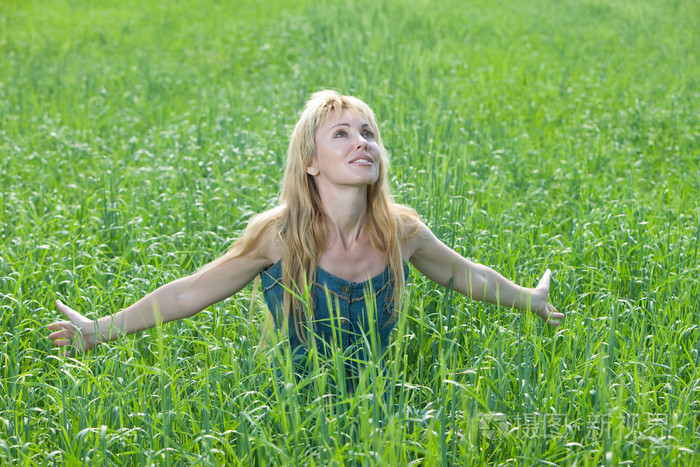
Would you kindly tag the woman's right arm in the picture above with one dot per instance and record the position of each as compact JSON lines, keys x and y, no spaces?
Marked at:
{"x":178,"y":299}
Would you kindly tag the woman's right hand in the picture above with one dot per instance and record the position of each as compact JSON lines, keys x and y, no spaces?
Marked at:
{"x":78,"y":331}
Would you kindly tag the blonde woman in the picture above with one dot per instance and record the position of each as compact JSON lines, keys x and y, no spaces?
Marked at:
{"x":332,"y":256}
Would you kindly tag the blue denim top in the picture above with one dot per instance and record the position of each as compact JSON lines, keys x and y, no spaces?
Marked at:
{"x":342,"y":313}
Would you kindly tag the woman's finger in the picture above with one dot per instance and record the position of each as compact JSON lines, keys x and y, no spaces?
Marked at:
{"x":58,"y":335}
{"x":544,"y":282}
{"x":554,"y":313}
{"x":70,"y":333}
{"x":552,"y":316}
{"x":61,"y":329}
{"x":70,"y":313}
{"x":59,"y":326}
{"x":551,"y":320}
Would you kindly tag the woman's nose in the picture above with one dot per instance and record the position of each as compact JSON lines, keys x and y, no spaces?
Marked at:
{"x":361,"y":141}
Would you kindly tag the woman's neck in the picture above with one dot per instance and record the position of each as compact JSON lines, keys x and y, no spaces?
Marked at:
{"x":346,"y":212}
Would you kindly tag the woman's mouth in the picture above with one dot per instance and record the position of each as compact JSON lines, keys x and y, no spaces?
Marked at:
{"x":364,"y":159}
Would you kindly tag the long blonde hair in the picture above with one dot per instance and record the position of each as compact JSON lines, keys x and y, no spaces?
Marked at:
{"x":301,"y":222}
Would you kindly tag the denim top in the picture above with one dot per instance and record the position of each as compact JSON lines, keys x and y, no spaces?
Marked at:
{"x":343,"y":313}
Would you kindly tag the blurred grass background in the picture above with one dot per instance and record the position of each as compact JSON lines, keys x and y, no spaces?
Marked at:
{"x":137,"y":139}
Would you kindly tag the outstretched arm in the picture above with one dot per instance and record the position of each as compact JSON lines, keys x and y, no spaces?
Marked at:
{"x":446,"y":267}
{"x":178,"y":299}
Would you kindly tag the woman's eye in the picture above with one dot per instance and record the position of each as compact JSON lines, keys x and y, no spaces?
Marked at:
{"x":341,"y":133}
{"x":368,"y":134}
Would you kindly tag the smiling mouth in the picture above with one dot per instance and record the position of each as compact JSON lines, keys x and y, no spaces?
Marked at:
{"x":363,"y":160}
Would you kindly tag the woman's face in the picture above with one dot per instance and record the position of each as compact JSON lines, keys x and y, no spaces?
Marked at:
{"x":347,"y":153}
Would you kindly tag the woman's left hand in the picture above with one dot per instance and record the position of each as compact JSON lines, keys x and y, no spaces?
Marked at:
{"x":540,"y":302}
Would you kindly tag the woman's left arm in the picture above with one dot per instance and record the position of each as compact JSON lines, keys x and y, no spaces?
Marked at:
{"x":445,"y":266}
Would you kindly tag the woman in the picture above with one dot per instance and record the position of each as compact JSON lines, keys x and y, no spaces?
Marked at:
{"x":332,"y":256}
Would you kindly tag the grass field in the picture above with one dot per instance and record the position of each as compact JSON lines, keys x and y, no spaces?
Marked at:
{"x":137,"y":138}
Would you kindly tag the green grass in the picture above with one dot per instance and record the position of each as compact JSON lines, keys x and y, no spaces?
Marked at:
{"x":137,"y":139}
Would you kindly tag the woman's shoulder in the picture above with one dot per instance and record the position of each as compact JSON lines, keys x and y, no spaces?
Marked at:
{"x":410,"y":229}
{"x":408,"y":220}
{"x":266,"y":228}
{"x":416,"y":235}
